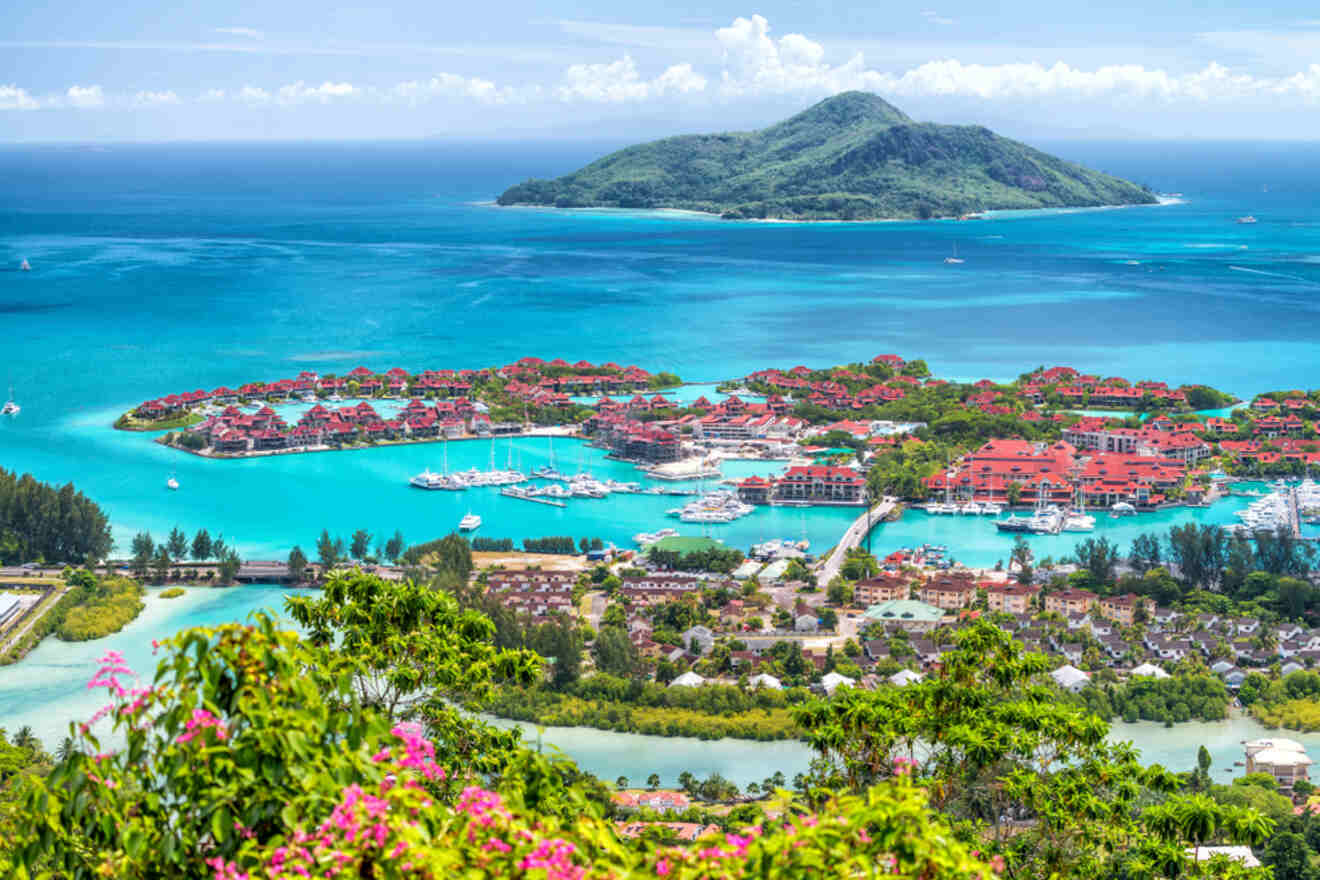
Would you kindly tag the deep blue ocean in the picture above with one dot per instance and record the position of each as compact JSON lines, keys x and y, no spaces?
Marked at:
{"x":160,"y":268}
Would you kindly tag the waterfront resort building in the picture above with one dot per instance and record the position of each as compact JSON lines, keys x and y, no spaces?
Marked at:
{"x":807,"y":484}
{"x":1284,"y":759}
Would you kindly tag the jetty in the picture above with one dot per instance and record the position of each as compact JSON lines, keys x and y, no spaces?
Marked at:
{"x":521,"y":495}
{"x":851,"y":538}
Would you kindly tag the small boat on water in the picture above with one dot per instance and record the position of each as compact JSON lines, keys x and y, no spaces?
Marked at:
{"x":25,"y":266}
{"x":1014,"y":523}
{"x":10,"y":408}
{"x":469,"y":523}
{"x":1122,"y":508}
{"x":955,"y":259}
{"x":172,"y":483}
{"x":1247,"y":219}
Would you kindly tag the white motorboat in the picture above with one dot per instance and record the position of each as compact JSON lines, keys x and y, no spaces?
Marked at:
{"x":469,"y":523}
{"x":10,"y":408}
{"x":1122,"y":508}
{"x":1248,"y":219}
{"x":1078,"y":522}
{"x":428,"y":479}
{"x":172,"y":483}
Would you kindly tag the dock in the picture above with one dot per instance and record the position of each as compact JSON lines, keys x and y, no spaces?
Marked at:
{"x":521,"y":496}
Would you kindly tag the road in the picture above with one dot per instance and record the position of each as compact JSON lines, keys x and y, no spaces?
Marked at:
{"x":38,"y":612}
{"x":851,"y":538}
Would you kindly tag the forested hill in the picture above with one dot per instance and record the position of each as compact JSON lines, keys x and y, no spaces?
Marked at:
{"x":851,"y":157}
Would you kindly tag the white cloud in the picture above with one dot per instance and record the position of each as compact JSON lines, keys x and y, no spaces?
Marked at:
{"x":85,"y":97}
{"x":212,"y":95}
{"x":253,"y":95}
{"x":935,"y":18}
{"x":620,"y":82}
{"x":14,"y":98}
{"x":250,"y":33}
{"x":451,"y":85}
{"x":155,"y":99}
{"x":301,"y":93}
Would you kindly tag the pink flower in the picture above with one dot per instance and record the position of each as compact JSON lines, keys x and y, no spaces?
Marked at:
{"x":662,"y":868}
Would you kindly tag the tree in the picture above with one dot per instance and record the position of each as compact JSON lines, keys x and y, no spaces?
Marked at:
{"x":297,"y":565}
{"x":621,"y":783}
{"x":1290,"y":857}
{"x":396,"y":637}
{"x":394,"y":546}
{"x":229,"y":565}
{"x":840,"y":592}
{"x":361,"y":544}
{"x":1145,"y":553}
{"x":177,"y":543}
{"x":1099,"y":556}
{"x":1013,"y":493}
{"x":201,"y":545}
{"x":584,"y":544}
{"x":144,"y":548}
{"x":329,"y":551}
{"x":653,"y":781}
{"x":615,"y":653}
{"x":160,"y":564}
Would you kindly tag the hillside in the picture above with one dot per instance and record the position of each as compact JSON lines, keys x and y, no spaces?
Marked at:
{"x":851,"y":157}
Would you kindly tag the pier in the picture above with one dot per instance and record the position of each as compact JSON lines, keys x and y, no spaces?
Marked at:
{"x":851,"y":538}
{"x":523,"y":496}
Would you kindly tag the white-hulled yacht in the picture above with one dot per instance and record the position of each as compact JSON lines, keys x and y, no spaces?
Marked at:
{"x":469,"y":523}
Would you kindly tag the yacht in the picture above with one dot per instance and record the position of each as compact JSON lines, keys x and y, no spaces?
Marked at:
{"x":1247,"y":219}
{"x":1122,"y":508}
{"x":955,"y":259}
{"x":428,"y":479}
{"x":990,"y":508}
{"x":10,"y":408}
{"x":25,"y":266}
{"x":171,"y":483}
{"x":941,"y":508}
{"x":1078,"y":522}
{"x":469,"y":523}
{"x":1014,"y":523}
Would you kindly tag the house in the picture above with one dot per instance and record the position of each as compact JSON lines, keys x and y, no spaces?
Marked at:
{"x":905,"y":677}
{"x":1070,"y":678}
{"x":833,"y":680}
{"x":1284,"y":759}
{"x":910,"y":614}
{"x":883,"y":588}
{"x":1150,"y":670}
{"x":805,"y":623}
{"x":1010,"y":598}
{"x":765,"y":680}
{"x":1070,"y":601}
{"x":699,"y":639}
{"x":949,"y":592}
{"x":688,"y":679}
{"x":1123,"y":609}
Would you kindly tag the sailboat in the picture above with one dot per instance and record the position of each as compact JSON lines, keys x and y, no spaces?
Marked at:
{"x":25,"y":266}
{"x":172,"y":483}
{"x":10,"y":408}
{"x":955,"y":258}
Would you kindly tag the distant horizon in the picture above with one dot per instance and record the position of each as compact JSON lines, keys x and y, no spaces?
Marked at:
{"x":406,"y":71}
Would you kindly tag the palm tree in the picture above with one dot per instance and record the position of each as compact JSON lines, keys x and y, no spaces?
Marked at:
{"x":25,"y":739}
{"x":66,"y":749}
{"x":1198,"y":818}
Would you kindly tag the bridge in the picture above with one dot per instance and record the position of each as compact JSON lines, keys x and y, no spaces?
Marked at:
{"x":851,"y":538}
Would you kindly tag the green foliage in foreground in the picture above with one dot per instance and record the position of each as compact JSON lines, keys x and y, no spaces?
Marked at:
{"x":850,"y":157}
{"x":172,"y":593}
{"x":261,"y":753}
{"x":111,"y":604}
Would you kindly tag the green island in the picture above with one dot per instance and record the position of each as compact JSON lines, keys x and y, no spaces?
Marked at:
{"x":851,"y":157}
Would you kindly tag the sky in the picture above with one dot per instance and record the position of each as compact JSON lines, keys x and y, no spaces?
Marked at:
{"x":151,"y":70}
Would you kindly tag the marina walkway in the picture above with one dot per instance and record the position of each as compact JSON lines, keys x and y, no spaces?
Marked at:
{"x":851,"y":538}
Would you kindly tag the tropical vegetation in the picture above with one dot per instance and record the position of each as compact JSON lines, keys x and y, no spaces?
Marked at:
{"x":41,"y":522}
